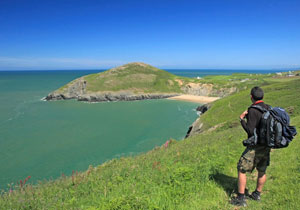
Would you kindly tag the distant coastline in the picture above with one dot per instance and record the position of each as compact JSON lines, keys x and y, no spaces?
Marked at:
{"x":179,"y":71}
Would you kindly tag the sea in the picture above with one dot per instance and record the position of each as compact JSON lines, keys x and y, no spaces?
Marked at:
{"x":48,"y":139}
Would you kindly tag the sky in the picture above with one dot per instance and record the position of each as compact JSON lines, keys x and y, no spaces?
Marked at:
{"x":174,"y":34}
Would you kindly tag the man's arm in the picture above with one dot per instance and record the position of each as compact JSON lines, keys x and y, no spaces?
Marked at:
{"x":252,"y":121}
{"x":243,"y":122}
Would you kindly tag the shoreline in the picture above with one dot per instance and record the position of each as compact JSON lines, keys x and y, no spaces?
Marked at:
{"x":193,"y":98}
{"x":102,"y":97}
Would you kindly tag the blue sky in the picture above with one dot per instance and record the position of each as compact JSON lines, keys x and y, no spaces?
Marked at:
{"x":81,"y":34}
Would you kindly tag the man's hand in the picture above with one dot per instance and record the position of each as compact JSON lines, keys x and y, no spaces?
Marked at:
{"x":242,"y":116}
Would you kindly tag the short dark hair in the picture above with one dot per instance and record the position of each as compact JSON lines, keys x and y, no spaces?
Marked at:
{"x":257,"y":93}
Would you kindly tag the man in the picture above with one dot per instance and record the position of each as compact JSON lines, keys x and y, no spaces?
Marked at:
{"x":257,"y":156}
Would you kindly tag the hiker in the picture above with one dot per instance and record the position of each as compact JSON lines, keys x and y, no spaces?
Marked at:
{"x":256,"y":156}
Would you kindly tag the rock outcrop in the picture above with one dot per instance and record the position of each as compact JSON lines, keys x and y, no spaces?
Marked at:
{"x":195,"y":128}
{"x":106,"y":96}
{"x":73,"y":91}
{"x":202,"y":109}
{"x":77,"y":90}
{"x":201,"y":89}
{"x":121,"y":97}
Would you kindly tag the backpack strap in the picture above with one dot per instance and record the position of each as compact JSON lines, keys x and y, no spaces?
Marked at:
{"x":259,"y":108}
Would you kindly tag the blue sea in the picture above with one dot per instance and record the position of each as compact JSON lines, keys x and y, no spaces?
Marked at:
{"x":45,"y":139}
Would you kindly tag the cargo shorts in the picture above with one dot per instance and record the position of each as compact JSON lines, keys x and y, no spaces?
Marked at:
{"x":257,"y":157}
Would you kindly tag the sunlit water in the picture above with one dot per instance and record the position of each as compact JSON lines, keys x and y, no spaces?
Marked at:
{"x":45,"y":139}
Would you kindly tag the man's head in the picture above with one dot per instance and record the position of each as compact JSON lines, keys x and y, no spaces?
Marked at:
{"x":257,"y":93}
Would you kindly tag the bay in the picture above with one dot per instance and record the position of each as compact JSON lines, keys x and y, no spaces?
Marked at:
{"x":46,"y":139}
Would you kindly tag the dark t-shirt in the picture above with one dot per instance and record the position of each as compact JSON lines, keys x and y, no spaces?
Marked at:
{"x":253,"y":119}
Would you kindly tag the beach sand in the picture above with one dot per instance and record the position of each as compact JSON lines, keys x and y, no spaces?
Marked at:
{"x":193,"y":98}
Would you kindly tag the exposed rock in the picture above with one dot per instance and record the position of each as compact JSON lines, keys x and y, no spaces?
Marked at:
{"x":74,"y":90}
{"x":198,"y":89}
{"x":195,"y":128}
{"x":203,"y":108}
{"x":98,"y":97}
{"x":207,"y":90}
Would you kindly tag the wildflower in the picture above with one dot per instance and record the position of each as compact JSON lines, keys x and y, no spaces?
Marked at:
{"x":166,"y":144}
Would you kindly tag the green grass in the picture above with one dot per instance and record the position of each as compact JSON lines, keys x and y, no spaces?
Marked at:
{"x":282,"y":94}
{"x":134,"y":78}
{"x":143,"y":78}
{"x":196,"y":173}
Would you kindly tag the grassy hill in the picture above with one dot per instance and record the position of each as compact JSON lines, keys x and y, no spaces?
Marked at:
{"x":133,"y":77}
{"x":137,"y":77}
{"x":133,"y":81}
{"x":140,"y":79}
{"x":196,"y":173}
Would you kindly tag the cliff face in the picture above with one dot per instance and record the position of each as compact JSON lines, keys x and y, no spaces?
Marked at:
{"x":77,"y":90}
{"x":74,"y":90}
{"x":207,"y":90}
{"x":195,"y":128}
{"x":99,"y":97}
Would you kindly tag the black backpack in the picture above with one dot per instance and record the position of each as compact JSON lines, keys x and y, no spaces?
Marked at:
{"x":274,"y":129}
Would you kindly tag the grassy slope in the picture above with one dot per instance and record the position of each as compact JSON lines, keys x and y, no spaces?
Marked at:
{"x":143,"y":78}
{"x":134,"y":77}
{"x":197,"y":173}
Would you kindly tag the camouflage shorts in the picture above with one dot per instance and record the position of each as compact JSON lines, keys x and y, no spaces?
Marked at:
{"x":258,"y":157}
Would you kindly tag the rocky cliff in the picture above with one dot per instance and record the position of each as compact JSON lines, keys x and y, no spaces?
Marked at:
{"x":201,"y":89}
{"x":195,"y":128}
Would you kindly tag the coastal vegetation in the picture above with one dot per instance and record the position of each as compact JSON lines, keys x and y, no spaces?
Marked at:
{"x":196,"y":173}
{"x":138,"y":77}
{"x":138,"y":81}
{"x":133,"y":81}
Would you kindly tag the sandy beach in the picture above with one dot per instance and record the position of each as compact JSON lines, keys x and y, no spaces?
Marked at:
{"x":193,"y":98}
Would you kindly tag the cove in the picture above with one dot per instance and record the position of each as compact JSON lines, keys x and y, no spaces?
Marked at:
{"x":45,"y":139}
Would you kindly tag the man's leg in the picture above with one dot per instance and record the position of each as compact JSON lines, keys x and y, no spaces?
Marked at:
{"x":263,"y":161}
{"x":244,"y":165}
{"x":240,"y":199}
{"x":261,"y":179}
{"x":242,"y":181}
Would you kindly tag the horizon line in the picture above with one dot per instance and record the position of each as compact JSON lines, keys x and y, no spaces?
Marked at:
{"x":219,"y":69}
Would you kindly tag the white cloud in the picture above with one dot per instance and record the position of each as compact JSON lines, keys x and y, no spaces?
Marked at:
{"x":33,"y":63}
{"x":10,"y":63}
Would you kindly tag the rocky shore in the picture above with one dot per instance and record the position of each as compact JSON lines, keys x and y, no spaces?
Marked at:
{"x":101,"y":97}
{"x":77,"y":89}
